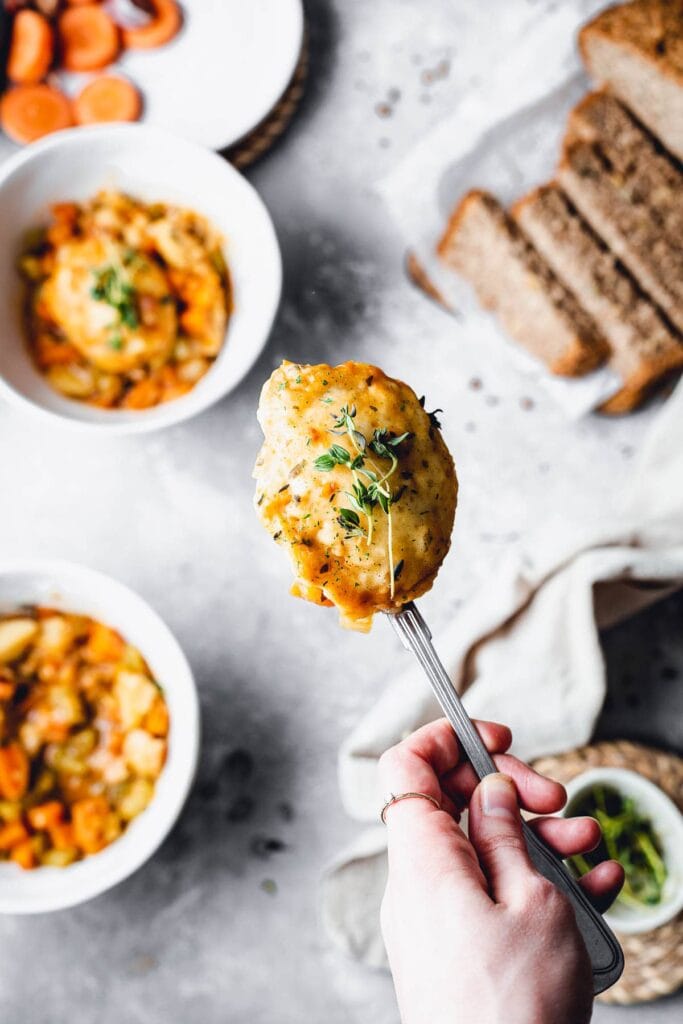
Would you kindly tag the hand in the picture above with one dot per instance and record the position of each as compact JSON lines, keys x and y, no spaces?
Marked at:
{"x":473,"y":933}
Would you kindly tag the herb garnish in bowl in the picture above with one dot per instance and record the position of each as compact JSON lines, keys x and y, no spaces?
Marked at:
{"x":629,"y":837}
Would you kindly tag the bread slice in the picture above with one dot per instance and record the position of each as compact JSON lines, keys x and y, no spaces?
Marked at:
{"x":487,"y":248}
{"x":617,"y":211}
{"x":637,"y":50}
{"x":644,"y":346}
{"x":632,"y":152}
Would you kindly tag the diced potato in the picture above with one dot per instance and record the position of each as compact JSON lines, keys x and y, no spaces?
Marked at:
{"x":135,"y":797}
{"x":10,"y":810}
{"x":31,"y":737}
{"x":135,"y":693}
{"x":111,"y":767}
{"x":59,"y":858}
{"x":15,"y":636}
{"x":113,"y":827}
{"x":65,"y":706}
{"x":132,"y":659}
{"x":145,"y":754}
{"x":72,"y":380}
{"x":56,"y":636}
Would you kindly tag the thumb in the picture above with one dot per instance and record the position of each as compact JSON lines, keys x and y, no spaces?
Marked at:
{"x":495,"y":831}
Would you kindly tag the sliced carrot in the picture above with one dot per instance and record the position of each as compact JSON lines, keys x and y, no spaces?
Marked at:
{"x":31,"y":48}
{"x":14,"y":771}
{"x":164,"y":24}
{"x":108,"y":98}
{"x":12,"y":834}
{"x":45,"y":816}
{"x":27,"y":112}
{"x":80,"y":3}
{"x":24,"y":854}
{"x":89,"y":818}
{"x":88,"y":37}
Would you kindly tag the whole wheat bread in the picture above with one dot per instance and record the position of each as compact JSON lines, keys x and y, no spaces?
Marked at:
{"x":617,"y":211}
{"x":644,"y":346}
{"x":486,"y":247}
{"x":637,"y":50}
{"x":632,"y":153}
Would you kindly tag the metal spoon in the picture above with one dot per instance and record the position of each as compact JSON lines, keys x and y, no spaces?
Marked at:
{"x":606,"y":957}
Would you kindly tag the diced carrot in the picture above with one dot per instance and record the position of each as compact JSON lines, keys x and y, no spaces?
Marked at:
{"x":156,"y":719}
{"x":62,"y":835}
{"x":27,"y":112}
{"x":89,"y":38}
{"x":104,"y":644}
{"x":31,"y":48}
{"x":163,"y":26}
{"x":14,"y":771}
{"x":53,"y":353}
{"x":171,"y":385}
{"x":45,"y":816}
{"x":89,"y":818}
{"x":65,"y":213}
{"x":142,"y":395}
{"x":24,"y":854}
{"x":8,"y":683}
{"x":11,"y":834}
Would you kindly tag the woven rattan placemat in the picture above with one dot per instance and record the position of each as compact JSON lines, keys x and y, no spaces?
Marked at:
{"x":654,"y":960}
{"x":259,"y":141}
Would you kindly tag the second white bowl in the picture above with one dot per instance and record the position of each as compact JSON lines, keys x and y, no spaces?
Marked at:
{"x":155,"y":166}
{"x":74,"y":588}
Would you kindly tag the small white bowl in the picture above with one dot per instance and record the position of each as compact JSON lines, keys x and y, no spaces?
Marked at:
{"x":667,"y":821}
{"x":152,"y":165}
{"x":74,"y":588}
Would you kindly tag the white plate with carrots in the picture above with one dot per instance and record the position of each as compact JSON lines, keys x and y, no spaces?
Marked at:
{"x":209,"y":70}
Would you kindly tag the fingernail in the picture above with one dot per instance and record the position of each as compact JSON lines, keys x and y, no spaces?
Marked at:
{"x":499,"y":796}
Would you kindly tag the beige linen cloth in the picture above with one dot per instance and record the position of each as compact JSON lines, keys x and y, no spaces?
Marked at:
{"x":525,"y":651}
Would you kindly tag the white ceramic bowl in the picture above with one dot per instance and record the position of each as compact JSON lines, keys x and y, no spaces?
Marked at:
{"x":75,"y":588}
{"x":667,"y":822}
{"x":155,"y":166}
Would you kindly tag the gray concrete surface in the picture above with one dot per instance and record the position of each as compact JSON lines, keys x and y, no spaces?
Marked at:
{"x":196,"y":935}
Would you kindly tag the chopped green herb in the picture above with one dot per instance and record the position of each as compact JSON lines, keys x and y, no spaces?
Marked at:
{"x":374,"y":489}
{"x":112,"y":287}
{"x":627,"y":837}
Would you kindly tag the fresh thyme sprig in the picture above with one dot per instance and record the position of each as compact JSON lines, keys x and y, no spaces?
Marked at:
{"x":112,"y":287}
{"x":374,"y":490}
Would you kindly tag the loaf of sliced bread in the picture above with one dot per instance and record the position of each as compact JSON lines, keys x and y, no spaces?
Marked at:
{"x":644,"y":346}
{"x":637,"y":50}
{"x":622,"y":216}
{"x":486,"y":247}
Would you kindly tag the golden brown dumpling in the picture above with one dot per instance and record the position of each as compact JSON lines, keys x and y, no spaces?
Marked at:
{"x":355,"y":480}
{"x":93,"y":326}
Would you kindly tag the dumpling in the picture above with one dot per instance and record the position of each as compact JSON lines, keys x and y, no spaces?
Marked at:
{"x":355,"y":480}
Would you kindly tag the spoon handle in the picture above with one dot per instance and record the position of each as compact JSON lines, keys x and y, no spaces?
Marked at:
{"x":605,"y":953}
